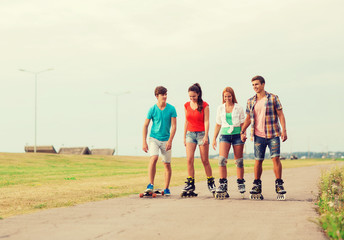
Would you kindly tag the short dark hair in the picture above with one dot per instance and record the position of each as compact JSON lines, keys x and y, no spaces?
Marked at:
{"x":160,"y":90}
{"x":260,"y":78}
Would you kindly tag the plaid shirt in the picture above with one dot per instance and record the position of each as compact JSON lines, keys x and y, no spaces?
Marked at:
{"x":272,"y":104}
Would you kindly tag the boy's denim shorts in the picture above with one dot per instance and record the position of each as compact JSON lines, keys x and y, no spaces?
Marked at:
{"x":260,"y":145}
{"x":231,"y":139}
{"x":195,"y":137}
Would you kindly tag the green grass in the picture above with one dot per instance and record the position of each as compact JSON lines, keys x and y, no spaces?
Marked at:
{"x":331,"y":202}
{"x":31,"y":182}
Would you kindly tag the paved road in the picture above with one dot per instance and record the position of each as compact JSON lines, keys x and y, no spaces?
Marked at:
{"x":175,"y":218}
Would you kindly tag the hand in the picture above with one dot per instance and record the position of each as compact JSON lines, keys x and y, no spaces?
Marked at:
{"x":205,"y":140}
{"x":168,"y":146}
{"x":145,"y":147}
{"x":243,"y":137}
{"x":214,"y":144}
{"x":185,"y":142}
{"x":284,"y":136}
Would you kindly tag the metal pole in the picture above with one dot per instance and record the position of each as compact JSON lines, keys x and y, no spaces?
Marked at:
{"x":116,"y":95}
{"x":36,"y":74}
{"x":35,"y":146}
{"x":116,"y":125}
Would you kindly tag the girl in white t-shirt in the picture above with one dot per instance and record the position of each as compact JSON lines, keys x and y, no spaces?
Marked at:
{"x":229,"y":119}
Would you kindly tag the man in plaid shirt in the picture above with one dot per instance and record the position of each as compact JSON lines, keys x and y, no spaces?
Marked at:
{"x":263,"y":112}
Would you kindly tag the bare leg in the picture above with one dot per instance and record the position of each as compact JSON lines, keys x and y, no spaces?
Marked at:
{"x":168,"y":174}
{"x":152,"y":168}
{"x":238,"y":153}
{"x":258,"y":169}
{"x":224,"y":150}
{"x":277,"y":167}
{"x":190,"y":153}
{"x":204,"y":151}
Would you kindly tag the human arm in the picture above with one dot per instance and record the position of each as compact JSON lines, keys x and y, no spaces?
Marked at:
{"x":283,"y":124}
{"x":244,"y":126}
{"x":173,"y":132}
{"x":144,"y":135}
{"x":206,"y":125}
{"x":185,"y":128}
{"x":216,"y":133}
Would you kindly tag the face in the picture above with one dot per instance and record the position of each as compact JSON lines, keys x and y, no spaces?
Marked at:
{"x":227,"y":97}
{"x":257,"y":86}
{"x":162,"y":97}
{"x":193,"y":96}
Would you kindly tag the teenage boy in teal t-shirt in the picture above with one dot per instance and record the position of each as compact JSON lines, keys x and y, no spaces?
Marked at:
{"x":164,"y":118}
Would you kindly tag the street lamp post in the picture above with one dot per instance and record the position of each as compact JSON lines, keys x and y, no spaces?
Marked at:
{"x":36,"y":74}
{"x":116,"y":95}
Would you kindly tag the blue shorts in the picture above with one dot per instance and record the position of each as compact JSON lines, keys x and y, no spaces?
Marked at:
{"x":231,"y":139}
{"x":260,"y":145}
{"x":195,"y":137}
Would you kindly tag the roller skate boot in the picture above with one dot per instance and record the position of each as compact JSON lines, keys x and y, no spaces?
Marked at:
{"x":188,"y":190}
{"x":241,"y":186}
{"x":221,"y":191}
{"x":256,"y":192}
{"x":211,"y":185}
{"x":281,"y":193}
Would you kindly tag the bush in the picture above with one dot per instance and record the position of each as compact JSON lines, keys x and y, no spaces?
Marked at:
{"x":331,"y":202}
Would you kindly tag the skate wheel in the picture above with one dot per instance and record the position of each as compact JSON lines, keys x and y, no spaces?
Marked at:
{"x":154,"y":195}
{"x":162,"y":193}
{"x":141,"y":195}
{"x":256,"y":196}
{"x":281,"y":197}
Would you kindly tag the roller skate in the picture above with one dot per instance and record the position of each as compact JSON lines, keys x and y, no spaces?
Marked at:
{"x":281,"y":193}
{"x":211,"y":185}
{"x":221,"y":191}
{"x":241,"y":186}
{"x":256,"y":192}
{"x":188,"y":190}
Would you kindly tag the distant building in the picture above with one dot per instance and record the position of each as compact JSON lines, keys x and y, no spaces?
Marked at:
{"x":75,"y":150}
{"x":40,"y":149}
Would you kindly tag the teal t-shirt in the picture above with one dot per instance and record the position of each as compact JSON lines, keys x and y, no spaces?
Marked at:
{"x":161,"y":121}
{"x":224,"y":130}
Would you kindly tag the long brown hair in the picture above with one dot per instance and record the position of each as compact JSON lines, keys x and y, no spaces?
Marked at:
{"x":197,"y":89}
{"x":231,"y":91}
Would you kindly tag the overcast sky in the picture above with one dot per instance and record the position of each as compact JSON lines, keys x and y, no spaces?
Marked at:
{"x":122,"y":45}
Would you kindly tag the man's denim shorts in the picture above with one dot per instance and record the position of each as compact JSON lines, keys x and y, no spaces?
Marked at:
{"x":195,"y":137}
{"x":231,"y":139}
{"x":260,"y":145}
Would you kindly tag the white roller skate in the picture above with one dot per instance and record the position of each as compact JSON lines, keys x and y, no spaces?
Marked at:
{"x":241,"y":187}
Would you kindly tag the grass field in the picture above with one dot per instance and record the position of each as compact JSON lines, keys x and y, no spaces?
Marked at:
{"x":30,"y":182}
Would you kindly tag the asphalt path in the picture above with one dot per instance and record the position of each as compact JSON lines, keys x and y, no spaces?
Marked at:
{"x":202,"y":217}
